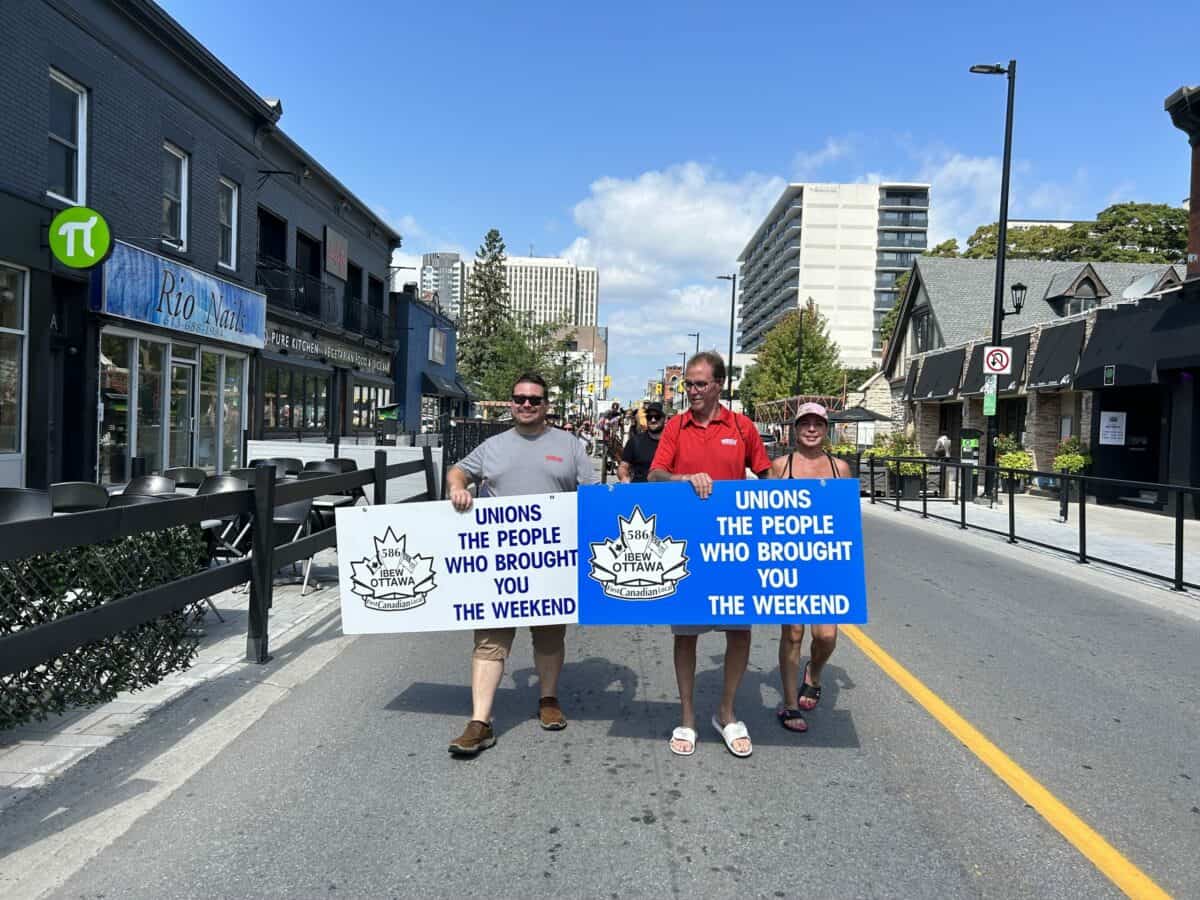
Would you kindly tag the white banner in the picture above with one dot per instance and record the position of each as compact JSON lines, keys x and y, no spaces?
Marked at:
{"x":425,"y":567}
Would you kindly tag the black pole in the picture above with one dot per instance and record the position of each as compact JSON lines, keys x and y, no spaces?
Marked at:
{"x":1179,"y":498}
{"x":262,"y":571}
{"x":732,"y":312}
{"x":871,"y":469}
{"x":380,"y":478}
{"x":1012,"y":508}
{"x":1083,"y":557}
{"x":1001,"y":251}
{"x":962,"y":495}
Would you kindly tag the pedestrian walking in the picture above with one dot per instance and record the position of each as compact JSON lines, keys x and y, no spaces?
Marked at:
{"x":529,"y":458}
{"x":642,"y":445}
{"x":809,"y":459}
{"x":709,"y":443}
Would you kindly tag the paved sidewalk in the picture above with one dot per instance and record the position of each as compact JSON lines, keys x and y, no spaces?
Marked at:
{"x":36,"y":753}
{"x":1129,"y":537}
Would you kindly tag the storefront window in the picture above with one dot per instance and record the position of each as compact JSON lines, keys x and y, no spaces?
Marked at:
{"x":150,"y":404}
{"x":310,"y":401}
{"x":231,"y":453}
{"x":294,"y":399}
{"x":12,"y":357}
{"x":115,"y":367}
{"x":210,"y":401}
{"x":322,"y":402}
{"x":270,"y":379}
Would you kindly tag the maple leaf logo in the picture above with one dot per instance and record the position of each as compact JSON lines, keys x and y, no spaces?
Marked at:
{"x":638,"y":564}
{"x":395,"y":579}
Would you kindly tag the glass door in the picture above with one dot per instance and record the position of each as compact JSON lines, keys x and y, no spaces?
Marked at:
{"x":182,"y":414}
{"x":209,"y":424}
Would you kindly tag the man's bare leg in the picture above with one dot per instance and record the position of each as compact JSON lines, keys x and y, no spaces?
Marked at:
{"x":737,"y":657}
{"x":485,"y":679}
{"x":685,"y":677}
{"x":549,"y":667}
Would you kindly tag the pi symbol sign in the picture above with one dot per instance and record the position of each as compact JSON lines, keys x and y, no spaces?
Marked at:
{"x":997,"y":361}
{"x":79,"y":237}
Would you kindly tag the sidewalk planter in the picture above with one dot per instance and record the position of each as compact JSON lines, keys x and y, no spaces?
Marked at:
{"x":909,"y":486}
{"x":1014,"y":459}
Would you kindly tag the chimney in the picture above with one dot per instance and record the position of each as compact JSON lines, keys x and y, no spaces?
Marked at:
{"x":1184,"y":107}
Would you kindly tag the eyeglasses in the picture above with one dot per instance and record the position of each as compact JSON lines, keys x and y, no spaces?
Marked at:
{"x":654,"y":418}
{"x":696,"y":385}
{"x":527,"y":400}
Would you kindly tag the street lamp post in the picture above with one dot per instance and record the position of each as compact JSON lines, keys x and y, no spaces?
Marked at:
{"x":732,"y":279}
{"x":696,"y":335}
{"x":1001,"y":248}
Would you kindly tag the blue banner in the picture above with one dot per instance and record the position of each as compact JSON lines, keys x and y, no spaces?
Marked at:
{"x":754,"y":552}
{"x":143,"y":286}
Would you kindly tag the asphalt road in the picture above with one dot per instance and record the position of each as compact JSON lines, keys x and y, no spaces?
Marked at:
{"x":343,"y":787}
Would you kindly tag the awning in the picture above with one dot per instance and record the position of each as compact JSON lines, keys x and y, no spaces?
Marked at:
{"x":858,"y":414}
{"x":435,"y":385}
{"x":940,"y":375}
{"x":470,"y":391}
{"x":974,"y":382}
{"x":374,"y":378}
{"x":1177,"y":336}
{"x":911,"y":381}
{"x":295,"y":360}
{"x":1057,"y":356}
{"x":1122,"y":338}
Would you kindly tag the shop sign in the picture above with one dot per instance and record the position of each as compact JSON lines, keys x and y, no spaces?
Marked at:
{"x":79,"y":237}
{"x":1110,"y":376}
{"x":146,"y":287}
{"x":326,"y":350}
{"x":989,"y":396}
{"x":1112,"y":429}
{"x":337,"y":254}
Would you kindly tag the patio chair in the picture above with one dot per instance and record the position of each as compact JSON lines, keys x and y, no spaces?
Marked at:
{"x":291,"y":465}
{"x":280,"y":467}
{"x":135,"y":499}
{"x":77,"y":496}
{"x":218,"y":531}
{"x":186,"y":476}
{"x":247,"y":475}
{"x":155,"y":485}
{"x":290,"y":522}
{"x":349,"y":465}
{"x":17,"y":504}
{"x":324,"y":506}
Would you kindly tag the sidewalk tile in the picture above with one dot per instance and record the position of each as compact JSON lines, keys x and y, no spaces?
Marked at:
{"x":31,"y":759}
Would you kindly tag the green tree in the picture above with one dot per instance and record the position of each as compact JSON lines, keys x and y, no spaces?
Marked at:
{"x":887,"y":327}
{"x":1124,"y":232}
{"x":485,"y":330}
{"x":945,"y":249}
{"x":773,"y":376}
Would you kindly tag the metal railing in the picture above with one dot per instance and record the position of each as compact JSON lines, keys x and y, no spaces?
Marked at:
{"x":461,"y":436}
{"x":293,"y":290}
{"x":889,"y":472}
{"x":22,"y":650}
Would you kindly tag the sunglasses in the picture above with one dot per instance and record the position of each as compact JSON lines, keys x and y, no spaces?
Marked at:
{"x":654,"y":418}
{"x":696,"y":385}
{"x":527,"y":400}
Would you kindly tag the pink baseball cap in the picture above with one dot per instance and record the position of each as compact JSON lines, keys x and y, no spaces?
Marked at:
{"x":812,"y":409}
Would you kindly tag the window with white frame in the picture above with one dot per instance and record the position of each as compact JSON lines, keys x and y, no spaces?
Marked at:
{"x":227,"y":223}
{"x":175,"y":196}
{"x":437,"y":346}
{"x":13,"y":331}
{"x":66,"y":161}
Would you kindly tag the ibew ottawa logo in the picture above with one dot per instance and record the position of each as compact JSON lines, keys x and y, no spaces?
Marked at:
{"x":395,"y":579}
{"x":638,"y":565}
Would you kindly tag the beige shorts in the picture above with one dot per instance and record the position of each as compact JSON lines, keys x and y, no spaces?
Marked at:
{"x":496,"y":643}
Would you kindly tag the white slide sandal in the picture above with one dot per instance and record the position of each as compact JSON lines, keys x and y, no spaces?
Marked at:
{"x":732,"y":732}
{"x":683,"y":734}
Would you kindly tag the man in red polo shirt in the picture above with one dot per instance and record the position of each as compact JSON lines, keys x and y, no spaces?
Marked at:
{"x":709,"y":443}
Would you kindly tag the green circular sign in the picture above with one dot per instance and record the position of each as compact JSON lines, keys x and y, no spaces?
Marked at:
{"x":79,"y":237}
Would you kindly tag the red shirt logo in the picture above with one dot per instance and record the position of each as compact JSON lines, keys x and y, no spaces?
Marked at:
{"x":550,"y":458}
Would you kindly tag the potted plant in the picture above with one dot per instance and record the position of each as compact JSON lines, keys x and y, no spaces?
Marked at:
{"x":905,"y":476}
{"x":1071,"y":457}
{"x":1015,"y":459}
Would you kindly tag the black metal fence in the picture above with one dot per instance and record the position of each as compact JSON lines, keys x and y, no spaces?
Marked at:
{"x":925,"y":486}
{"x":33,"y":646}
{"x":461,"y":436}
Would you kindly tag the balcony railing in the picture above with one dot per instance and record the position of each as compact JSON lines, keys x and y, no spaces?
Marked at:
{"x":904,"y":201}
{"x":359,"y":317}
{"x":293,"y":290}
{"x":903,"y":219}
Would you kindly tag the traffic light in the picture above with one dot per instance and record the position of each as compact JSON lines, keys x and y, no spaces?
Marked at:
{"x":658,"y":388}
{"x":591,"y":387}
{"x":607,"y":382}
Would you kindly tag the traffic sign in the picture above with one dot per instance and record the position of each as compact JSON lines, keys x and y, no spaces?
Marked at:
{"x":79,"y":237}
{"x":997,"y":361}
{"x":989,"y":396}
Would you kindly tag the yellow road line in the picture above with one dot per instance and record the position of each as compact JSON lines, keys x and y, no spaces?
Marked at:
{"x":1124,"y":874}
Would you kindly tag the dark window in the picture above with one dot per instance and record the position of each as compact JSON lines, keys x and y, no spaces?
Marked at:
{"x":1010,"y":416}
{"x":272,"y":237}
{"x":922,"y":331}
{"x":294,"y":399}
{"x":308,"y":255}
{"x":68,"y":122}
{"x":375,"y":293}
{"x":353,"y":282}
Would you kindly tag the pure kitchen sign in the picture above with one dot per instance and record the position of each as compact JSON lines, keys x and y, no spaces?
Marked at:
{"x":146,"y":287}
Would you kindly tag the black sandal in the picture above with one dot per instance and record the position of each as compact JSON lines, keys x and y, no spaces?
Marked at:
{"x":808,"y":692}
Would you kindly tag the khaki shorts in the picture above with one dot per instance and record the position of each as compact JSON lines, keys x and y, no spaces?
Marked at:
{"x":496,"y":643}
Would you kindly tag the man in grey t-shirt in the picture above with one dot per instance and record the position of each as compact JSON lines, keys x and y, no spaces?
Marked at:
{"x":529,"y":458}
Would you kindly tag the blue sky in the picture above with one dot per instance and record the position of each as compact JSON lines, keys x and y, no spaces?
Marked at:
{"x":650,"y":139}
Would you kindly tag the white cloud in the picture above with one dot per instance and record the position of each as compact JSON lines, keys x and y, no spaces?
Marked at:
{"x":659,"y":239}
{"x":806,"y":164}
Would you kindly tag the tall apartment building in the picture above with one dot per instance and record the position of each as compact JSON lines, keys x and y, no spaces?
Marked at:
{"x":552,"y":291}
{"x":843,"y":245}
{"x":443,"y":282}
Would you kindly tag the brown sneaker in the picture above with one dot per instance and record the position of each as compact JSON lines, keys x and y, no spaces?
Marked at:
{"x":550,"y":714}
{"x":477,"y":737}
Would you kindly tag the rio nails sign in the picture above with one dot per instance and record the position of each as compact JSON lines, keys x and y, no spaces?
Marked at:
{"x":145,"y":287}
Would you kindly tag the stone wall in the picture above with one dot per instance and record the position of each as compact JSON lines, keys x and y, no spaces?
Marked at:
{"x":1041,"y":426}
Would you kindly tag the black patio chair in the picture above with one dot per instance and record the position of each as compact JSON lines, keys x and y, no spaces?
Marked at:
{"x":218,"y":531}
{"x":186,"y":476}
{"x":281,"y":471}
{"x":77,"y":496}
{"x":290,"y":522}
{"x":350,"y":465}
{"x":136,"y":499}
{"x":17,"y":504}
{"x":155,"y":485}
{"x":291,"y":465}
{"x":246,"y":475}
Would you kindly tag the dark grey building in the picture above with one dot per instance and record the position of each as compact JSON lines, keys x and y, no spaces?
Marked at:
{"x":162,"y":352}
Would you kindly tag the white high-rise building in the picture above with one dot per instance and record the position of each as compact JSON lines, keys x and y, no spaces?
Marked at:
{"x":552,"y":291}
{"x":443,"y":281}
{"x":844,"y":246}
